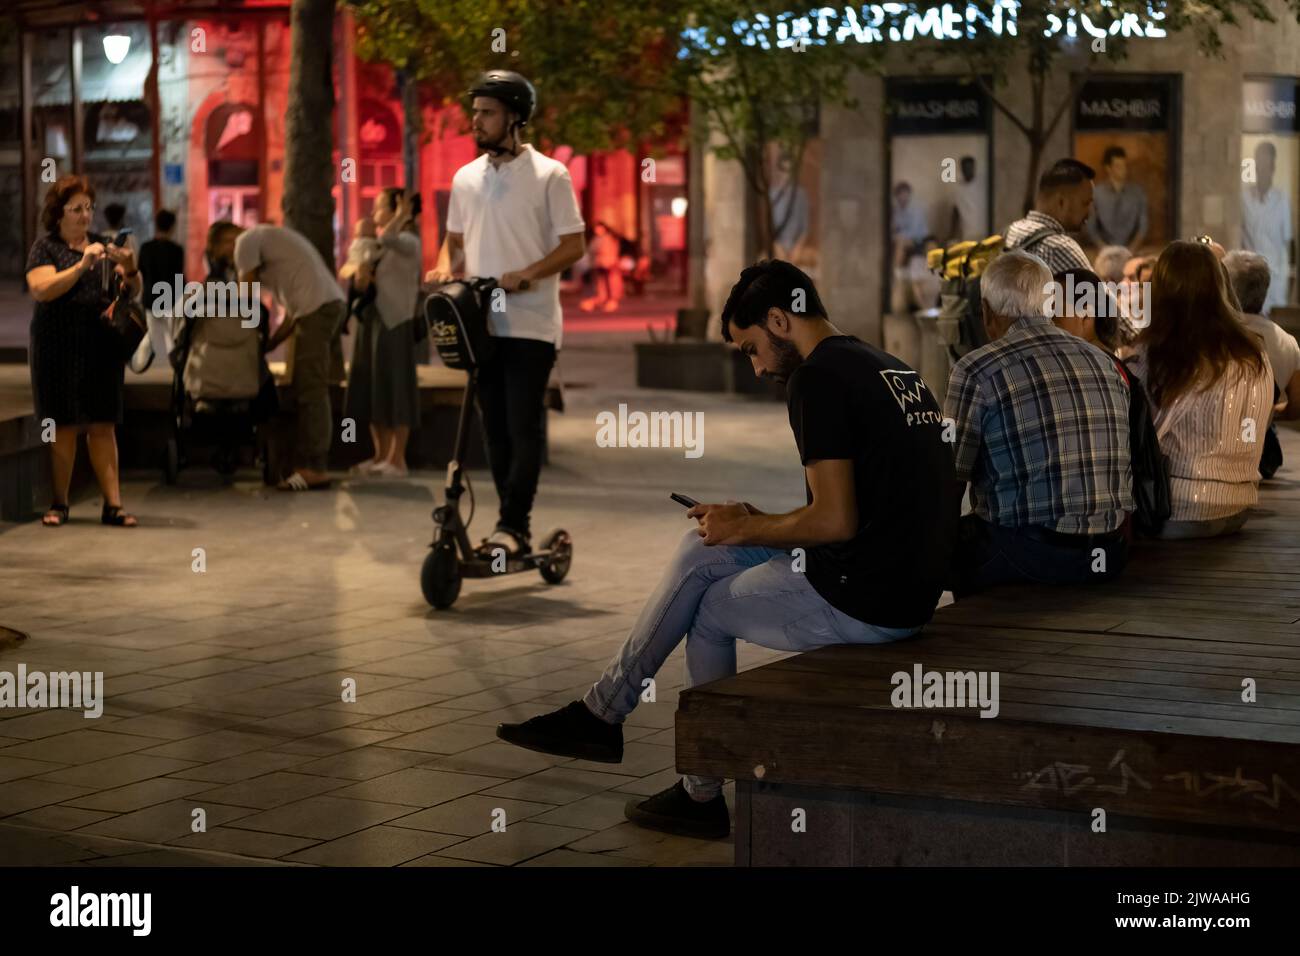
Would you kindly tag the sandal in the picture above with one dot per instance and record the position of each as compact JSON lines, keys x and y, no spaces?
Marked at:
{"x":114,"y":515}
{"x":296,"y":482}
{"x":57,"y":512}
{"x":514,"y":545}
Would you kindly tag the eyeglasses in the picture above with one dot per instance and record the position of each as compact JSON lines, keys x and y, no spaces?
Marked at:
{"x":79,"y":209}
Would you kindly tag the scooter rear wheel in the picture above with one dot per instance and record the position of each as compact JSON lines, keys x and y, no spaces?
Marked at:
{"x":556,"y":566}
{"x":440,"y":576}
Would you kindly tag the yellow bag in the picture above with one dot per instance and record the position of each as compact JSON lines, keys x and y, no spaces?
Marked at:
{"x":963,"y":260}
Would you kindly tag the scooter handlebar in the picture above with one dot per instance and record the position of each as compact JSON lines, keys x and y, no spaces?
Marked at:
{"x":524,"y":284}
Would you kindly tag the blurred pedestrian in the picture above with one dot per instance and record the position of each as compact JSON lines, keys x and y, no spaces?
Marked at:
{"x":287,"y":265}
{"x":382,"y":384}
{"x":77,"y":372}
{"x":162,"y":267}
{"x":607,"y":271}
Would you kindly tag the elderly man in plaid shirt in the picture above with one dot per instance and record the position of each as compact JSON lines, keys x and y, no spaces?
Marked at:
{"x":1041,"y":425}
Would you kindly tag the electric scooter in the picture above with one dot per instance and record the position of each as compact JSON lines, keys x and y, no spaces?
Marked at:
{"x":457,"y":317}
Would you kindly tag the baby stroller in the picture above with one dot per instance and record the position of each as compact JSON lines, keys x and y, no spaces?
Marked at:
{"x":222,"y":389}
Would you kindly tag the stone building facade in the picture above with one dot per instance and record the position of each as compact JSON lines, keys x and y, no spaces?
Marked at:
{"x":1205,"y":162}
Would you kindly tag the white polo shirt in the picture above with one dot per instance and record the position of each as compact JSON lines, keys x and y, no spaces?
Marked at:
{"x":511,"y":216}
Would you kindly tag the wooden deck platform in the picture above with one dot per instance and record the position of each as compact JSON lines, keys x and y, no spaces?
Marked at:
{"x":1124,"y":697}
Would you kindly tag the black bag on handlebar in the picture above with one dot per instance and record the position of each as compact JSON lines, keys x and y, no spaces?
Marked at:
{"x":457,"y":314}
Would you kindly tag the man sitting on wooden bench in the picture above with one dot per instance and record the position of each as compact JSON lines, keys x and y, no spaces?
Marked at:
{"x":1043,"y":439}
{"x":875,"y":536}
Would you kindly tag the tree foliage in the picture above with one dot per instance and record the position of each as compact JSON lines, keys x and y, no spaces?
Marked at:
{"x":605,"y":71}
{"x":612,"y":73}
{"x":760,"y":74}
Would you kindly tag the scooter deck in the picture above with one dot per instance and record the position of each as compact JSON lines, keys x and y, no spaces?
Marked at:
{"x":484,"y":569}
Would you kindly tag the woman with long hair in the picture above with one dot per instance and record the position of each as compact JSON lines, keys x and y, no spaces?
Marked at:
{"x":1211,"y":390}
{"x":382,"y":384}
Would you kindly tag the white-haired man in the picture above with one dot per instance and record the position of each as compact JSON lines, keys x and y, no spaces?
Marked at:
{"x":1251,"y":280}
{"x":1042,"y":437}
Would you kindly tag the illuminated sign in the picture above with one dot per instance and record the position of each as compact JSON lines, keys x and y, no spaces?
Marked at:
{"x":919,"y":106}
{"x":877,"y":23}
{"x":1124,"y":102}
{"x":1270,"y":105}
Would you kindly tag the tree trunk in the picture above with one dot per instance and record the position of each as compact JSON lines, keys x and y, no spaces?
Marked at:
{"x":309,"y":129}
{"x":761,"y":203}
{"x":1036,"y":146}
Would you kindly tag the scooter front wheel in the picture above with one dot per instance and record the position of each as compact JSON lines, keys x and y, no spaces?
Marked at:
{"x":440,"y":576}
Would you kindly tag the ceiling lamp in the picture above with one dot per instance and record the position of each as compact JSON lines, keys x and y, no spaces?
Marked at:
{"x":116,"y":46}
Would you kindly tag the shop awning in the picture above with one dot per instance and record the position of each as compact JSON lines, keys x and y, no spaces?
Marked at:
{"x":65,"y":13}
{"x":101,"y":82}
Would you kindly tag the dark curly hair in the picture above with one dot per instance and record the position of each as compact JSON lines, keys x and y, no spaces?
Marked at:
{"x":766,"y":285}
{"x":58,"y":196}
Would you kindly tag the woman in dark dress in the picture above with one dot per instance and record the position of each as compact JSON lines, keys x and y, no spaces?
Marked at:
{"x":77,"y":375}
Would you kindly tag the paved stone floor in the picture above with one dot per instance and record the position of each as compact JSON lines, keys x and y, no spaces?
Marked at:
{"x":223,"y":688}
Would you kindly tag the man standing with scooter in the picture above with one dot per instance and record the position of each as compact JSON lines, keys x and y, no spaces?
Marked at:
{"x":513,"y":215}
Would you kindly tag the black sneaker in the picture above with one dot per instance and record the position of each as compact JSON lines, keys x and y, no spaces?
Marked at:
{"x":675,"y":811}
{"x":571,"y":731}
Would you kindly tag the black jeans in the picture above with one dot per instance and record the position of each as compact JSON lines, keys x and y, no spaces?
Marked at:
{"x":988,"y":555}
{"x":511,"y":397}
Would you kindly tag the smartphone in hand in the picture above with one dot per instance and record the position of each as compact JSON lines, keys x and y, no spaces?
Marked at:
{"x":683,"y":500}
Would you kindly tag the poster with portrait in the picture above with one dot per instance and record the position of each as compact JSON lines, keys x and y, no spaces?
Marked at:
{"x":1270,"y":173}
{"x":796,"y":202}
{"x":938,"y":184}
{"x":1125,"y":129}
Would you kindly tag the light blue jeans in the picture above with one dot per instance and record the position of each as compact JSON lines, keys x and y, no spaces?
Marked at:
{"x":714,"y":595}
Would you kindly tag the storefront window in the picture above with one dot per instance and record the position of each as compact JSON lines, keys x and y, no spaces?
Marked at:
{"x":1270,"y":173}
{"x":1124,"y":129}
{"x":939,"y":157}
{"x":117,"y":134}
{"x":666,"y":200}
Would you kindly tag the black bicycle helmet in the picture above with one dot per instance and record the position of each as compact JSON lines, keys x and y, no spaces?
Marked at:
{"x":511,"y":89}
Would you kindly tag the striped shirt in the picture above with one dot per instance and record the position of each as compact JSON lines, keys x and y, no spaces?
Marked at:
{"x":1214,"y":440}
{"x":1058,"y":250}
{"x":1060,"y":253}
{"x":1042,"y":431}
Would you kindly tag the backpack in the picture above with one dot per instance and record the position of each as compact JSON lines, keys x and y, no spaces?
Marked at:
{"x":457,"y":315}
{"x":960,"y":321}
{"x":1271,"y":458}
{"x":1151,"y":491}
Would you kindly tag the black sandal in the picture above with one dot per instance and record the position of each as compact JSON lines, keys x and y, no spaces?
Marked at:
{"x":521,"y":546}
{"x":59,"y":511}
{"x":114,"y":515}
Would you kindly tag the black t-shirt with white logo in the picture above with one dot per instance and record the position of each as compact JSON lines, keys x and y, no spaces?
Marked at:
{"x":850,"y":400}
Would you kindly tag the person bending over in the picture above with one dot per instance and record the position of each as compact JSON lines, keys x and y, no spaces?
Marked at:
{"x":877,"y":530}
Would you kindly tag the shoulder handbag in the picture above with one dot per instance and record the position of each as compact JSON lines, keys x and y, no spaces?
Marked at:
{"x":121,"y":312}
{"x":1152,"y":494}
